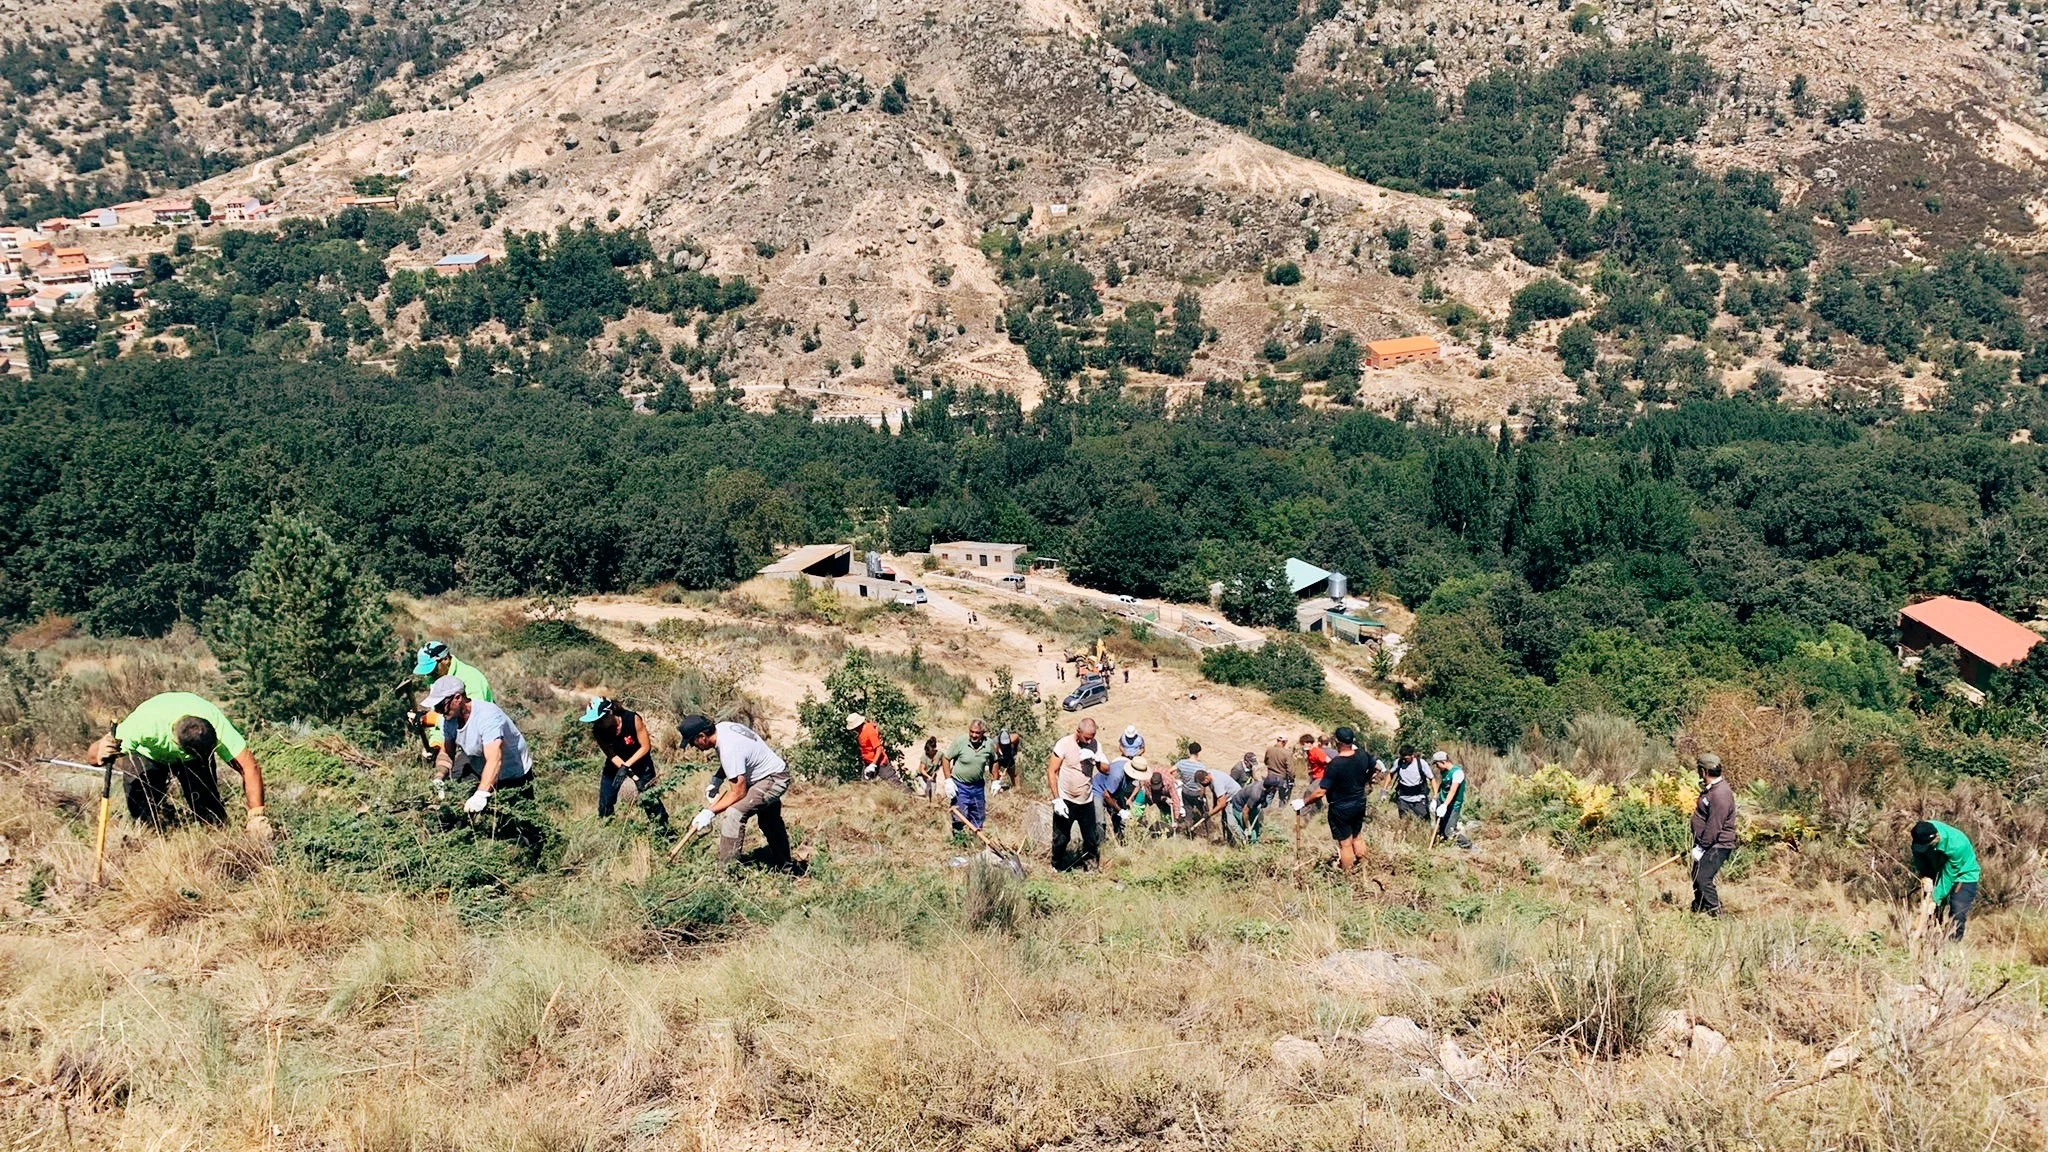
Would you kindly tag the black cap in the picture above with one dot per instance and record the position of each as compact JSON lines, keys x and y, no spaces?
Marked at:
{"x":1345,"y":736}
{"x":1923,"y":833}
{"x":693,"y":726}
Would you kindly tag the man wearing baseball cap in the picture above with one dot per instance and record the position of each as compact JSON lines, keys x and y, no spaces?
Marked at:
{"x":484,"y":735}
{"x":1346,"y":781}
{"x":754,"y":779}
{"x":628,"y":747}
{"x":434,"y":660}
{"x":1713,"y":834}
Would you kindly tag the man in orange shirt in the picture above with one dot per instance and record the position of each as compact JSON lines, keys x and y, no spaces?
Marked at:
{"x":874,"y":758}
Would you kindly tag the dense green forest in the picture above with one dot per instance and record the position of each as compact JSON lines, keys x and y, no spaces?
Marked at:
{"x":121,"y":138}
{"x":1729,"y":541}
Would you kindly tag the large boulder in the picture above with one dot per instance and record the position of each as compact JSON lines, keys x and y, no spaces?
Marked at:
{"x":1294,"y":1056}
{"x":1371,"y":972}
{"x":1397,"y":1034}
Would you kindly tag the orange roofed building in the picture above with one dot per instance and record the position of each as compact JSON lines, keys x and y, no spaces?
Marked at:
{"x":1387,"y":353}
{"x":1984,"y":639}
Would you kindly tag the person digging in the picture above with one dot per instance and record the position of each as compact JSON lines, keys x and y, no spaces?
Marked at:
{"x":434,"y":660}
{"x":754,"y":781}
{"x":486,"y":736}
{"x":874,"y":755}
{"x":628,"y":747}
{"x":1946,"y":863}
{"x":176,"y":735}
{"x":1450,"y":799}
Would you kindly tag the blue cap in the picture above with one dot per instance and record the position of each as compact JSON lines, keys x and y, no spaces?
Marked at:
{"x":431,"y":654}
{"x":599,"y":705}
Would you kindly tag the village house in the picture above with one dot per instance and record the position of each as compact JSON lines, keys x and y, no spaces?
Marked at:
{"x":999,"y":558}
{"x":50,"y":297}
{"x":99,"y":220}
{"x":106,"y":273}
{"x":353,"y":201}
{"x":243,"y":209}
{"x":1406,"y":349}
{"x":456,"y":263}
{"x":1985,"y":641}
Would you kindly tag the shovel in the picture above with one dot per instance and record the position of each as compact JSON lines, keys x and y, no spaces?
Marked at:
{"x":1660,"y":866}
{"x":1011,"y":860}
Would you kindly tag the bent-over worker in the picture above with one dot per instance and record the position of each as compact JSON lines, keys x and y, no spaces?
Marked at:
{"x":483,"y":735}
{"x":1946,"y":863}
{"x":755,"y":779}
{"x":628,"y":747}
{"x":176,"y":735}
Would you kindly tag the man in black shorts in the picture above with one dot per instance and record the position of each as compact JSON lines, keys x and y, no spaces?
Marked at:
{"x":1345,"y":784}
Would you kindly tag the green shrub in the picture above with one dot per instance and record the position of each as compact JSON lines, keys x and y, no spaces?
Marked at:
{"x":1604,"y":998}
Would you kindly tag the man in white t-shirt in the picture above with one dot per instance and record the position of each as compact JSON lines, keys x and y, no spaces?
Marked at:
{"x":486,"y":736}
{"x":753,"y":778}
{"x":1070,"y":776}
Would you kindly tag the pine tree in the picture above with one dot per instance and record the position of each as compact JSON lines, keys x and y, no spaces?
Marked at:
{"x":305,"y":636}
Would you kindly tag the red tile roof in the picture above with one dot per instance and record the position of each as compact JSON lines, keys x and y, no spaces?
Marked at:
{"x":1975,"y":629}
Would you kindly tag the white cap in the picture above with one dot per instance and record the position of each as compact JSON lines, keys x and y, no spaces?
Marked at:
{"x":1439,"y":757}
{"x":1131,"y":733}
{"x":854,"y":720}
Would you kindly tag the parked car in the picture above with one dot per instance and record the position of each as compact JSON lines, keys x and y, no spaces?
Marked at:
{"x":1092,"y":691}
{"x":1127,"y":599}
{"x":918,"y":595}
{"x":1013,"y":582}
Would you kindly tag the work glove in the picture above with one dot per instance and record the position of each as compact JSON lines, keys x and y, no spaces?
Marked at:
{"x":1439,"y":810}
{"x":996,"y":788}
{"x":1059,"y":806}
{"x":703,"y":820}
{"x":441,"y":790}
{"x":1299,"y":804}
{"x":1697,"y":854}
{"x":948,"y":790}
{"x":476,"y":801}
{"x":258,"y":825}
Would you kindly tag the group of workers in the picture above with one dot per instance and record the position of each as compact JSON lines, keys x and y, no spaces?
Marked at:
{"x":465,"y":735}
{"x":1100,"y":791}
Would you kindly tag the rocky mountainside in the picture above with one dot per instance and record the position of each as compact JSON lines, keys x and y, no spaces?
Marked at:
{"x":850,"y":159}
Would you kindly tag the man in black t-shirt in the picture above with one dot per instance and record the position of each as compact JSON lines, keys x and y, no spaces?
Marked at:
{"x":1344,"y":786}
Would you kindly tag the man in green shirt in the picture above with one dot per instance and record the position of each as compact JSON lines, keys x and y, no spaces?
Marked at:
{"x":1946,"y":863}
{"x":967,"y":764}
{"x":177,"y":734}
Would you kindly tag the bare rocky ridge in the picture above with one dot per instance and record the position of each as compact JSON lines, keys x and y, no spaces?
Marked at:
{"x":754,"y":133}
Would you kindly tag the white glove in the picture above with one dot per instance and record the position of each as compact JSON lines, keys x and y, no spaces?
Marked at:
{"x":441,"y":790}
{"x":1439,"y":810}
{"x":995,"y":788}
{"x":1059,"y":806}
{"x":947,"y":790}
{"x":476,"y":801}
{"x":703,"y":820}
{"x":1299,"y":804}
{"x":1697,"y":853}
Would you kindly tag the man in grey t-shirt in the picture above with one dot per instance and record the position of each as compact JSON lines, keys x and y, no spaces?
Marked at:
{"x":486,"y":736}
{"x":754,"y":779}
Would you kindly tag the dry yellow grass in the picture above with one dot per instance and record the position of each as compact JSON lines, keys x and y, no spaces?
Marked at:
{"x":208,"y":1002}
